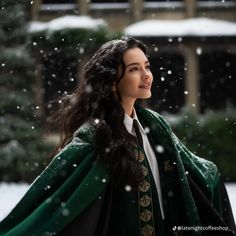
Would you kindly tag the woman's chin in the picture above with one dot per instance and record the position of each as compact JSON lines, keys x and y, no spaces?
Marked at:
{"x":145,"y":96}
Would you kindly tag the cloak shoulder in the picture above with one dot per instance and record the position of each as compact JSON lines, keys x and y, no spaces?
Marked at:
{"x":202,"y":188}
{"x":205,"y":171}
{"x":65,"y":188}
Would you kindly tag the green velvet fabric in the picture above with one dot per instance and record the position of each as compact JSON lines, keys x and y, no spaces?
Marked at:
{"x":74,"y":179}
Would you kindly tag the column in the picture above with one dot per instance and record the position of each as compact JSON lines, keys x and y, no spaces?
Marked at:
{"x":136,"y":8}
{"x":191,"y":7}
{"x":191,"y":78}
{"x":35,"y":7}
{"x":83,"y":7}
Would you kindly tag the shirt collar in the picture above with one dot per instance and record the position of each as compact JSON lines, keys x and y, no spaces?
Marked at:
{"x":128,"y":122}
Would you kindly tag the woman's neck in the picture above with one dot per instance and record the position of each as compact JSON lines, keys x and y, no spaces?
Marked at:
{"x":128,"y":107}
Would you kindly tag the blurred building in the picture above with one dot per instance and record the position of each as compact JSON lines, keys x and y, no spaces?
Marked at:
{"x":190,"y":69}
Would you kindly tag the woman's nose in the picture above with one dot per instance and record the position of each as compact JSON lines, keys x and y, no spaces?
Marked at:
{"x":146,"y":74}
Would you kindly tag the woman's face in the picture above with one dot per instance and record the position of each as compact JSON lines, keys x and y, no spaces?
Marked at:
{"x":137,"y":80}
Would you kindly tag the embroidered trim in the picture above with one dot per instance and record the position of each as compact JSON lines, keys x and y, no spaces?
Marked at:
{"x":145,"y":171}
{"x":146,"y":218}
{"x":147,"y":230}
{"x":145,"y":201}
{"x":144,"y":186}
{"x":146,"y":215}
{"x":168,"y":166}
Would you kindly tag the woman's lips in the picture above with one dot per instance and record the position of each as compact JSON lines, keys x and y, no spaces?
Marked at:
{"x":145,"y":86}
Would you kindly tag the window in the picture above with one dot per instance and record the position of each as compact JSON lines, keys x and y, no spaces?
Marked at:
{"x":109,"y":4}
{"x":164,"y":1}
{"x":108,"y":1}
{"x":222,"y":1}
{"x":58,"y":5}
{"x":173,"y":4}
{"x":58,"y":1}
{"x":216,"y":3}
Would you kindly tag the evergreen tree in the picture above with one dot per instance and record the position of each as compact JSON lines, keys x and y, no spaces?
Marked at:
{"x":20,"y":150}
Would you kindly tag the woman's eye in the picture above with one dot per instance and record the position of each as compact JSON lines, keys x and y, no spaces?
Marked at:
{"x":148,"y":67}
{"x":133,"y":69}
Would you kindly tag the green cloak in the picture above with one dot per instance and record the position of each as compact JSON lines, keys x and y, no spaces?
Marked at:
{"x":72,"y":195}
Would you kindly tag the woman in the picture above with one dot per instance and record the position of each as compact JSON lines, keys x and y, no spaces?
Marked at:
{"x":119,"y":169}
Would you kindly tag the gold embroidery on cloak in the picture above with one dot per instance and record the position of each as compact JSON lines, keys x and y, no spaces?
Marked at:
{"x":144,"y":186}
{"x":147,"y":230}
{"x":145,"y":198}
{"x":145,"y":201}
{"x":168,"y":166}
{"x":146,"y":215}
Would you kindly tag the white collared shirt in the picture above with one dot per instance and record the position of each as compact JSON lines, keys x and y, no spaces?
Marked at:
{"x":128,"y":122}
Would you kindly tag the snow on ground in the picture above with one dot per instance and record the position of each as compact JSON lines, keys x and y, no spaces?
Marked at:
{"x":188,"y":27}
{"x":231,"y":189}
{"x":11,"y":193}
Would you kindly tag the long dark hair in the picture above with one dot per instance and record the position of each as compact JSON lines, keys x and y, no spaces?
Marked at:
{"x":94,"y":99}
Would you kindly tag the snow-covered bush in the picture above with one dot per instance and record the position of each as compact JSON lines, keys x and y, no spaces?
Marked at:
{"x":74,"y":34}
{"x":211,"y":136}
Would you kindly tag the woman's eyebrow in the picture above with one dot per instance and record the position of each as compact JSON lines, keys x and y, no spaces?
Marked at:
{"x":136,"y":63}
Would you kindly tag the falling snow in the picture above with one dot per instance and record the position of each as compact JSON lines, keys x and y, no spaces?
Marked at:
{"x":159,"y":148}
{"x":128,"y":188}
